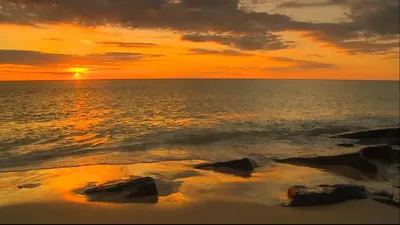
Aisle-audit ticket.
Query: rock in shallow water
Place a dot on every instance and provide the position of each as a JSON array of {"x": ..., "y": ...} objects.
[
  {"x": 388, "y": 201},
  {"x": 374, "y": 136},
  {"x": 347, "y": 145},
  {"x": 393, "y": 132},
  {"x": 126, "y": 190},
  {"x": 381, "y": 152},
  {"x": 384, "y": 194},
  {"x": 359, "y": 160},
  {"x": 354, "y": 160},
  {"x": 301, "y": 195},
  {"x": 241, "y": 167}
]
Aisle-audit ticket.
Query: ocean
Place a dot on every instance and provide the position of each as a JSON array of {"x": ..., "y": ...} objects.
[{"x": 55, "y": 124}]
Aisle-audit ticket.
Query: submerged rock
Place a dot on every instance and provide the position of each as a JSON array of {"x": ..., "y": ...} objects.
[
  {"x": 301, "y": 195},
  {"x": 374, "y": 136},
  {"x": 387, "y": 200},
  {"x": 354, "y": 160},
  {"x": 393, "y": 132},
  {"x": 384, "y": 194},
  {"x": 126, "y": 190},
  {"x": 381, "y": 152},
  {"x": 361, "y": 160},
  {"x": 389, "y": 141},
  {"x": 241, "y": 167},
  {"x": 347, "y": 145}
]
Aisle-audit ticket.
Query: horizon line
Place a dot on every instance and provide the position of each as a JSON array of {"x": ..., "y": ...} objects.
[{"x": 118, "y": 79}]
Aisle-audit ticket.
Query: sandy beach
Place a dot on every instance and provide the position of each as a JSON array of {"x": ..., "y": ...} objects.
[
  {"x": 199, "y": 111},
  {"x": 186, "y": 195}
]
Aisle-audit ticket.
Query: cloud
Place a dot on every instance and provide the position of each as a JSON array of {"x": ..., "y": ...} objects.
[
  {"x": 125, "y": 44},
  {"x": 32, "y": 58},
  {"x": 365, "y": 47},
  {"x": 183, "y": 15},
  {"x": 223, "y": 21},
  {"x": 31, "y": 72},
  {"x": 376, "y": 17},
  {"x": 36, "y": 58},
  {"x": 242, "y": 42},
  {"x": 297, "y": 64},
  {"x": 317, "y": 55},
  {"x": 228, "y": 52},
  {"x": 53, "y": 39}
]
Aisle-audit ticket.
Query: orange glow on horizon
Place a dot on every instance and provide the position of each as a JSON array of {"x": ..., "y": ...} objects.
[
  {"x": 171, "y": 57},
  {"x": 77, "y": 71}
]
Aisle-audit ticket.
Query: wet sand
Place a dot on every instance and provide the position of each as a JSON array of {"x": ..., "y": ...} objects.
[
  {"x": 186, "y": 195},
  {"x": 212, "y": 211}
]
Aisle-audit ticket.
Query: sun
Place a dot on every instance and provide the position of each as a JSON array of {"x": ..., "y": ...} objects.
[{"x": 77, "y": 71}]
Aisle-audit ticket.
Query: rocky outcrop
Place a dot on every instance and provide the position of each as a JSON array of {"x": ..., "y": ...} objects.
[
  {"x": 354, "y": 160},
  {"x": 126, "y": 191},
  {"x": 324, "y": 194},
  {"x": 361, "y": 160},
  {"x": 386, "y": 198},
  {"x": 381, "y": 152},
  {"x": 388, "y": 201},
  {"x": 375, "y": 136},
  {"x": 383, "y": 194},
  {"x": 241, "y": 167},
  {"x": 301, "y": 195},
  {"x": 347, "y": 145},
  {"x": 393, "y": 132}
]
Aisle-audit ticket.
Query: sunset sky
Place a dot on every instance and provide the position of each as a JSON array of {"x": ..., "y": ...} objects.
[{"x": 118, "y": 39}]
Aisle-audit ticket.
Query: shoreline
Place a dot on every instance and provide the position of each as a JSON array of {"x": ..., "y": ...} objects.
[{"x": 201, "y": 196}]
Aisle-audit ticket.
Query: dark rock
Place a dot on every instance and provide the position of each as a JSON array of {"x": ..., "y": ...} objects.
[
  {"x": 377, "y": 141},
  {"x": 347, "y": 145},
  {"x": 242, "y": 167},
  {"x": 137, "y": 188},
  {"x": 354, "y": 160},
  {"x": 381, "y": 152},
  {"x": 388, "y": 201},
  {"x": 28, "y": 185},
  {"x": 372, "y": 134},
  {"x": 301, "y": 195},
  {"x": 383, "y": 194},
  {"x": 244, "y": 164},
  {"x": 389, "y": 136}
]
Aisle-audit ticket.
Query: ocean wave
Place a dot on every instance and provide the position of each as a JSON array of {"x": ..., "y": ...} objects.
[
  {"x": 55, "y": 153},
  {"x": 176, "y": 139},
  {"x": 331, "y": 129},
  {"x": 208, "y": 137}
]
